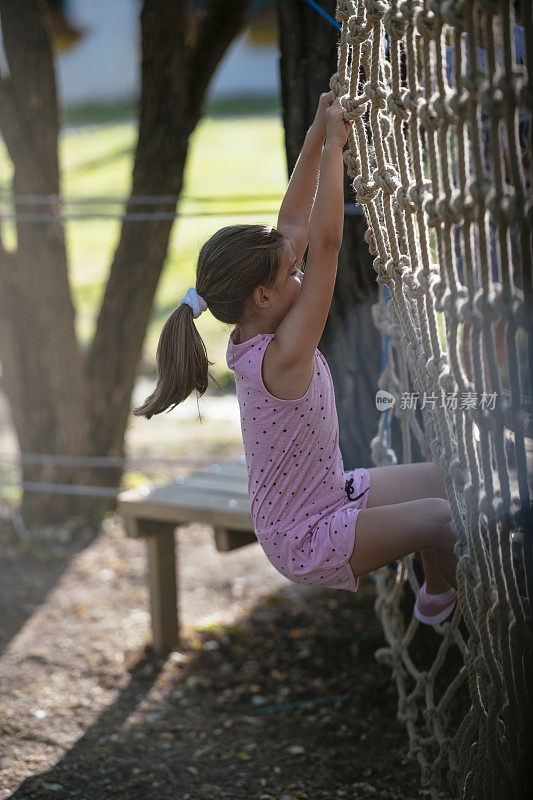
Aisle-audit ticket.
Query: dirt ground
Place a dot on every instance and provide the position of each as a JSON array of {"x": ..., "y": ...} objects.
[{"x": 273, "y": 693}]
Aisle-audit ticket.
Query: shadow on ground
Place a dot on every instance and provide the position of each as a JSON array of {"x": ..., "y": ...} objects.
[
  {"x": 289, "y": 702},
  {"x": 32, "y": 567}
]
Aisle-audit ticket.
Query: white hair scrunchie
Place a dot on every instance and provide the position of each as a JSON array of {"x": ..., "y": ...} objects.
[{"x": 193, "y": 299}]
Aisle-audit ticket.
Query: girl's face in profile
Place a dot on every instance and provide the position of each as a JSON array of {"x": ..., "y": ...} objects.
[{"x": 288, "y": 282}]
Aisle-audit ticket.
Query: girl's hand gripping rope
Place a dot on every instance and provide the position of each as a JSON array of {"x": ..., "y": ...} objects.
[
  {"x": 337, "y": 129},
  {"x": 320, "y": 120},
  {"x": 293, "y": 218},
  {"x": 290, "y": 355}
]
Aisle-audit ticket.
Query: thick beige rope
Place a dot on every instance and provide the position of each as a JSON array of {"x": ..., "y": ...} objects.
[{"x": 417, "y": 162}]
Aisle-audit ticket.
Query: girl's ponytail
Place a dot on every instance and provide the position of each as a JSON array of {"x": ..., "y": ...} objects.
[
  {"x": 182, "y": 364},
  {"x": 231, "y": 264}
]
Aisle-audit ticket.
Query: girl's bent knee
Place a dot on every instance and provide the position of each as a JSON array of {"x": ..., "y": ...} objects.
[{"x": 441, "y": 518}]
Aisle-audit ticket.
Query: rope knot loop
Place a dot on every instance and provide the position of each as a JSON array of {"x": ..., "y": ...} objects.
[
  {"x": 429, "y": 24},
  {"x": 506, "y": 306},
  {"x": 375, "y": 10},
  {"x": 430, "y": 207},
  {"x": 428, "y": 116},
  {"x": 433, "y": 369},
  {"x": 404, "y": 201},
  {"x": 397, "y": 269},
  {"x": 440, "y": 293},
  {"x": 358, "y": 30},
  {"x": 447, "y": 382},
  {"x": 384, "y": 125},
  {"x": 472, "y": 82},
  {"x": 414, "y": 288},
  {"x": 511, "y": 87},
  {"x": 338, "y": 87},
  {"x": 452, "y": 12},
  {"x": 491, "y": 100},
  {"x": 505, "y": 209},
  {"x": 418, "y": 193},
  {"x": 382, "y": 274},
  {"x": 345, "y": 10},
  {"x": 387, "y": 180},
  {"x": 458, "y": 105},
  {"x": 365, "y": 190},
  {"x": 449, "y": 305},
  {"x": 396, "y": 105},
  {"x": 441, "y": 107},
  {"x": 479, "y": 190},
  {"x": 411, "y": 99},
  {"x": 463, "y": 206},
  {"x": 370, "y": 239},
  {"x": 376, "y": 93},
  {"x": 428, "y": 280},
  {"x": 449, "y": 212},
  {"x": 352, "y": 164},
  {"x": 455, "y": 468},
  {"x": 355, "y": 107},
  {"x": 408, "y": 9},
  {"x": 394, "y": 23},
  {"x": 480, "y": 664}
]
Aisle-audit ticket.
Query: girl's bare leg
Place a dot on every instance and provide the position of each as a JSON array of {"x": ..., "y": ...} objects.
[
  {"x": 405, "y": 482},
  {"x": 387, "y": 533}
]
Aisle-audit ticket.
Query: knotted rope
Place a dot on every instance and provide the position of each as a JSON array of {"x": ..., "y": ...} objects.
[{"x": 423, "y": 81}]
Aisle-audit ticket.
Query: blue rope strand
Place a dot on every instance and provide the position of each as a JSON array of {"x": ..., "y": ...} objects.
[{"x": 325, "y": 14}]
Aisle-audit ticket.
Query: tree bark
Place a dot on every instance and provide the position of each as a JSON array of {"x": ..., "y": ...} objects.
[
  {"x": 177, "y": 66},
  {"x": 64, "y": 401},
  {"x": 42, "y": 369},
  {"x": 350, "y": 342}
]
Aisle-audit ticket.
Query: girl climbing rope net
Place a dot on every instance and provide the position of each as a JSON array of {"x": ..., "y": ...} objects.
[{"x": 317, "y": 523}]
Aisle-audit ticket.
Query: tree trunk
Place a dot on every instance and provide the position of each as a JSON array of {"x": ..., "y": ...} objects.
[
  {"x": 42, "y": 369},
  {"x": 351, "y": 343},
  {"x": 64, "y": 401}
]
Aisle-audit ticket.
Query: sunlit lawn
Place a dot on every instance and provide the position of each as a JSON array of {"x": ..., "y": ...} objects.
[{"x": 236, "y": 172}]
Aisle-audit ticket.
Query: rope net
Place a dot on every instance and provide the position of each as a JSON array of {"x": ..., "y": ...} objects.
[{"x": 439, "y": 154}]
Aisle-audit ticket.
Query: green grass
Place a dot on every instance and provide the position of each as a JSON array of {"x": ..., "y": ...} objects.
[
  {"x": 127, "y": 111},
  {"x": 235, "y": 173}
]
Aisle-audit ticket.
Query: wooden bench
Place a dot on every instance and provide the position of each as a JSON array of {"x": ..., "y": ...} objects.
[{"x": 217, "y": 497}]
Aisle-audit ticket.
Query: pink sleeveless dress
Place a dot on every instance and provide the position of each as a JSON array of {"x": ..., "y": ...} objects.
[{"x": 303, "y": 504}]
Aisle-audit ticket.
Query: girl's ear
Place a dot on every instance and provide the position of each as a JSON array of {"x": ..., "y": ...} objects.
[{"x": 261, "y": 296}]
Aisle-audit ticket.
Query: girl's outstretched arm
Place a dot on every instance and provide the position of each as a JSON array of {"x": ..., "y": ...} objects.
[
  {"x": 295, "y": 210},
  {"x": 298, "y": 334}
]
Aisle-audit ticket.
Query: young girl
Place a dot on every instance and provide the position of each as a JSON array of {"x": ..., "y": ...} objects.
[{"x": 316, "y": 523}]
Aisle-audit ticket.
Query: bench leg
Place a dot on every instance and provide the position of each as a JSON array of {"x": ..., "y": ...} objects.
[{"x": 163, "y": 585}]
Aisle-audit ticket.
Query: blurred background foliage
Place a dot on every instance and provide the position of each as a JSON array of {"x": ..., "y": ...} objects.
[{"x": 235, "y": 172}]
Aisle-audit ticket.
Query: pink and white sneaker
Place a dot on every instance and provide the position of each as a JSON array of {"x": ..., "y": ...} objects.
[{"x": 434, "y": 608}]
